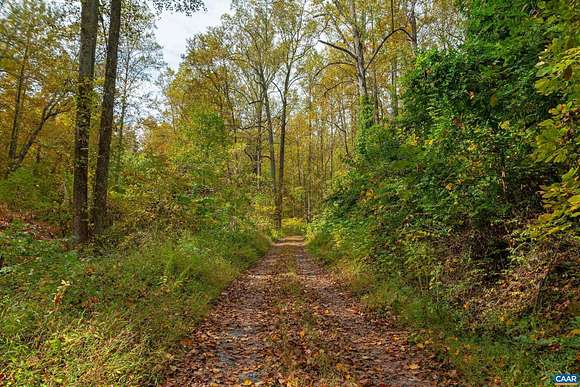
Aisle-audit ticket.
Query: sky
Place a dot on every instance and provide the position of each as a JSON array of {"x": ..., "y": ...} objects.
[{"x": 173, "y": 29}]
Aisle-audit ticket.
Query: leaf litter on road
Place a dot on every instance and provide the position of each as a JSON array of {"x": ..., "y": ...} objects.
[{"x": 288, "y": 322}]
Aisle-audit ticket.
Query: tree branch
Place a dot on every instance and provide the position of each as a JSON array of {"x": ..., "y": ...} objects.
[
  {"x": 383, "y": 42},
  {"x": 346, "y": 51},
  {"x": 331, "y": 64}
]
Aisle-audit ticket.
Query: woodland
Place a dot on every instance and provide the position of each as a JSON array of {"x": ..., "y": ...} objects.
[{"x": 414, "y": 161}]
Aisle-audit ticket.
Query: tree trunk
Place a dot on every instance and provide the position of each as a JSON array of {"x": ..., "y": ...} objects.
[
  {"x": 102, "y": 172},
  {"x": 121, "y": 127},
  {"x": 270, "y": 137},
  {"x": 358, "y": 49},
  {"x": 412, "y": 18},
  {"x": 83, "y": 120},
  {"x": 258, "y": 166},
  {"x": 343, "y": 128},
  {"x": 18, "y": 160},
  {"x": 282, "y": 151},
  {"x": 18, "y": 104},
  {"x": 309, "y": 166},
  {"x": 394, "y": 65},
  {"x": 394, "y": 92},
  {"x": 120, "y": 138}
]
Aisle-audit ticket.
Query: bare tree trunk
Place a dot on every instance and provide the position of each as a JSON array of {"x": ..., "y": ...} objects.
[
  {"x": 358, "y": 49},
  {"x": 270, "y": 137},
  {"x": 322, "y": 164},
  {"x": 120, "y": 145},
  {"x": 83, "y": 120},
  {"x": 20, "y": 92},
  {"x": 412, "y": 18},
  {"x": 102, "y": 172},
  {"x": 258, "y": 167},
  {"x": 282, "y": 151},
  {"x": 331, "y": 153},
  {"x": 394, "y": 65},
  {"x": 360, "y": 67},
  {"x": 343, "y": 128},
  {"x": 309, "y": 167},
  {"x": 121, "y": 126},
  {"x": 300, "y": 158},
  {"x": 394, "y": 92}
]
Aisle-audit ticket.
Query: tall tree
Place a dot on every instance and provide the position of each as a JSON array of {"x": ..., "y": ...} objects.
[
  {"x": 88, "y": 41},
  {"x": 106, "y": 129},
  {"x": 254, "y": 21},
  {"x": 295, "y": 30},
  {"x": 139, "y": 56},
  {"x": 102, "y": 172}
]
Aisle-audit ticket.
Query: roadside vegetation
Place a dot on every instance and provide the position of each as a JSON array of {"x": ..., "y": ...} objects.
[
  {"x": 120, "y": 317},
  {"x": 461, "y": 216}
]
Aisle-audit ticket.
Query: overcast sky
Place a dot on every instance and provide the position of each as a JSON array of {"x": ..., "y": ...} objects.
[{"x": 173, "y": 29}]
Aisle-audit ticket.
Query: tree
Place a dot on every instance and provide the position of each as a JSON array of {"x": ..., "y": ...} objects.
[
  {"x": 36, "y": 65},
  {"x": 296, "y": 31},
  {"x": 351, "y": 24},
  {"x": 102, "y": 172},
  {"x": 255, "y": 22},
  {"x": 88, "y": 41},
  {"x": 86, "y": 75},
  {"x": 139, "y": 56}
]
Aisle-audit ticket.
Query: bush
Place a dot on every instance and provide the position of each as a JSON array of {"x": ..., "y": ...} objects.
[{"x": 22, "y": 190}]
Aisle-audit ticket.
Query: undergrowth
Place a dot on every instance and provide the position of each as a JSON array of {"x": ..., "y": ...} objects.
[
  {"x": 75, "y": 318},
  {"x": 518, "y": 352}
]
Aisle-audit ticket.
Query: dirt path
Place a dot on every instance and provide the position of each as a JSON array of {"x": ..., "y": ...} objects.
[{"x": 287, "y": 322}]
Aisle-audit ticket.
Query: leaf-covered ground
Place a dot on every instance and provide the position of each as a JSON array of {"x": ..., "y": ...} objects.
[{"x": 289, "y": 322}]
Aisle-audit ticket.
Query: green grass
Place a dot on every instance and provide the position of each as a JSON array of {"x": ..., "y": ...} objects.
[
  {"x": 115, "y": 319},
  {"x": 482, "y": 357}
]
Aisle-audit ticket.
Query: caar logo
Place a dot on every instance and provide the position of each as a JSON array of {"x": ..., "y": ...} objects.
[{"x": 565, "y": 379}]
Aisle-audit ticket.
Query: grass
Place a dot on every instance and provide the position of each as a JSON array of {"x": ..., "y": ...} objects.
[
  {"x": 71, "y": 319},
  {"x": 482, "y": 357}
]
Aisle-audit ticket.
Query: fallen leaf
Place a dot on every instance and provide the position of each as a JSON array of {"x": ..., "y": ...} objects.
[
  {"x": 341, "y": 367},
  {"x": 413, "y": 366},
  {"x": 186, "y": 342}
]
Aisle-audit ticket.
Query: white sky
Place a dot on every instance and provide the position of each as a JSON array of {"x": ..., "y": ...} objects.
[{"x": 173, "y": 29}]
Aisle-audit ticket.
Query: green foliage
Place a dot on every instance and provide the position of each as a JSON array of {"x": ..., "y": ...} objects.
[
  {"x": 182, "y": 185},
  {"x": 558, "y": 141},
  {"x": 114, "y": 312},
  {"x": 293, "y": 226},
  {"x": 436, "y": 218},
  {"x": 512, "y": 359},
  {"x": 24, "y": 190},
  {"x": 115, "y": 319}
]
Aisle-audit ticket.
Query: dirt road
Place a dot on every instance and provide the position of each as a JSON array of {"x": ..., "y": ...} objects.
[{"x": 288, "y": 322}]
